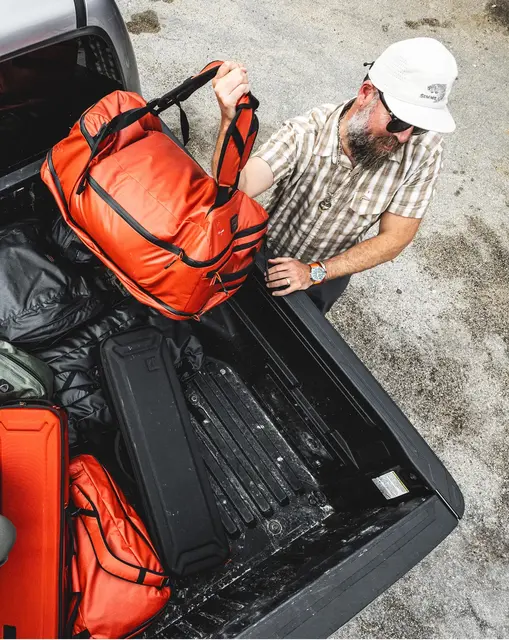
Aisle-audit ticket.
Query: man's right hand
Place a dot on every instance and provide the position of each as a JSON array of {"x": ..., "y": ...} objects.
[{"x": 230, "y": 84}]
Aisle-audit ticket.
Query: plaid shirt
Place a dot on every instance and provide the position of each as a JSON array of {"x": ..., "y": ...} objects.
[{"x": 307, "y": 165}]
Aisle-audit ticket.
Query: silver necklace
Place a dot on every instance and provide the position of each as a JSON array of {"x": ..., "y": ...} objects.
[{"x": 326, "y": 203}]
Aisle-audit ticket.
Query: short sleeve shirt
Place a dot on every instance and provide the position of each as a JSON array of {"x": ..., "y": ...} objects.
[{"x": 309, "y": 167}]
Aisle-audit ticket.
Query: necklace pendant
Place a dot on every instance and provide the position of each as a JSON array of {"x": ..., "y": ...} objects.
[{"x": 325, "y": 204}]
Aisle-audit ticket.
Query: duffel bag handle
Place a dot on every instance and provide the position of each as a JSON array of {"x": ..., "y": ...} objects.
[
  {"x": 240, "y": 135},
  {"x": 238, "y": 142},
  {"x": 187, "y": 88},
  {"x": 156, "y": 106}
]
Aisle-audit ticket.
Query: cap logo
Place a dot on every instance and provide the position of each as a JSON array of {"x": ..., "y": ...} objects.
[{"x": 436, "y": 92}]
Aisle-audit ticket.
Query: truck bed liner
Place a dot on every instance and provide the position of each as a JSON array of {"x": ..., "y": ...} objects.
[{"x": 266, "y": 495}]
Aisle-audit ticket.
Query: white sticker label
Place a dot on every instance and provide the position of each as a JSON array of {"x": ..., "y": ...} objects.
[{"x": 390, "y": 485}]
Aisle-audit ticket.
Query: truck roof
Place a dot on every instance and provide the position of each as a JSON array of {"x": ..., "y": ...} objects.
[{"x": 24, "y": 24}]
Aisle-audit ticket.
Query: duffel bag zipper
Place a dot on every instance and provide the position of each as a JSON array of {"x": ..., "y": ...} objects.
[
  {"x": 167, "y": 246},
  {"x": 94, "y": 513},
  {"x": 240, "y": 247},
  {"x": 31, "y": 373}
]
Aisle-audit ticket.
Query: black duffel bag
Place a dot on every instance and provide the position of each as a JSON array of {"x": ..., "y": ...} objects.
[
  {"x": 42, "y": 298},
  {"x": 76, "y": 364}
]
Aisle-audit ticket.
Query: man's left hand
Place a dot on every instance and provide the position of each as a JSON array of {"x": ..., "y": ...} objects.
[{"x": 289, "y": 273}]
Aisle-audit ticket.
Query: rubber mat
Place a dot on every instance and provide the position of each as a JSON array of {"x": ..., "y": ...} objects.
[{"x": 254, "y": 472}]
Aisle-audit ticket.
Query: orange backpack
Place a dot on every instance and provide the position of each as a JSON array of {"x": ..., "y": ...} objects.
[
  {"x": 178, "y": 240},
  {"x": 118, "y": 584}
]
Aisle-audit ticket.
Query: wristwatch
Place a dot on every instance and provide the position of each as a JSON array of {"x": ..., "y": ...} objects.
[{"x": 318, "y": 272}]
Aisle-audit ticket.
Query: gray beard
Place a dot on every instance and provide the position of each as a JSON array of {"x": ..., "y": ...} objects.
[{"x": 365, "y": 148}]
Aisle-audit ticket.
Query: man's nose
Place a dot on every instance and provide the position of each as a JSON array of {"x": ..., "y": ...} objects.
[{"x": 402, "y": 136}]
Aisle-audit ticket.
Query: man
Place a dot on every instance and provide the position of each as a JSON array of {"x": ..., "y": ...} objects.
[{"x": 340, "y": 169}]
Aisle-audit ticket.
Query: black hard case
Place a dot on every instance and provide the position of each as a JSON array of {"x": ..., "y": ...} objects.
[{"x": 149, "y": 404}]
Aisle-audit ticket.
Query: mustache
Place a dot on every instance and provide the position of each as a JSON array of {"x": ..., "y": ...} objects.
[{"x": 367, "y": 149}]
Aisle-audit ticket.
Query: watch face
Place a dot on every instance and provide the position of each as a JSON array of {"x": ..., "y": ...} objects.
[{"x": 318, "y": 274}]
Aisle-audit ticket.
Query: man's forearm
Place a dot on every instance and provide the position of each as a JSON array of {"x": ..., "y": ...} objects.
[
  {"x": 368, "y": 253},
  {"x": 223, "y": 128}
]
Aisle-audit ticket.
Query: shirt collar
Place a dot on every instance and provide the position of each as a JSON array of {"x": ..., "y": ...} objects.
[
  {"x": 328, "y": 144},
  {"x": 328, "y": 141}
]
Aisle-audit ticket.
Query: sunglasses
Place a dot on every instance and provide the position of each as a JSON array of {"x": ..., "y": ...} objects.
[{"x": 396, "y": 125}]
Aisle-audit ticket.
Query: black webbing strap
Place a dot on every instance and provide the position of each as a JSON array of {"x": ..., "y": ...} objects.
[
  {"x": 9, "y": 631},
  {"x": 188, "y": 87},
  {"x": 222, "y": 197},
  {"x": 116, "y": 124},
  {"x": 127, "y": 118},
  {"x": 175, "y": 96},
  {"x": 184, "y": 124},
  {"x": 237, "y": 139},
  {"x": 69, "y": 380}
]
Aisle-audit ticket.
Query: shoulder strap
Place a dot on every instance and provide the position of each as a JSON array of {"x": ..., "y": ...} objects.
[
  {"x": 238, "y": 141},
  {"x": 156, "y": 106}
]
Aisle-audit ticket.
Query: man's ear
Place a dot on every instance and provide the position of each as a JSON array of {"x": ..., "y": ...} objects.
[{"x": 365, "y": 94}]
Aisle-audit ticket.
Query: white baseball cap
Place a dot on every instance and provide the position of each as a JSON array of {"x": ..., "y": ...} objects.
[{"x": 416, "y": 78}]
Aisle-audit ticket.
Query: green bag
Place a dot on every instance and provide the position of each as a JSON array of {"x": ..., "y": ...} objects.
[{"x": 22, "y": 376}]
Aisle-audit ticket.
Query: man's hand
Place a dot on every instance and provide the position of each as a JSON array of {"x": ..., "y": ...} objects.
[
  {"x": 230, "y": 84},
  {"x": 289, "y": 273}
]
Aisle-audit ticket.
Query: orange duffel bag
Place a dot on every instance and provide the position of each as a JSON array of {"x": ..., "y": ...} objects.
[
  {"x": 118, "y": 584},
  {"x": 178, "y": 240}
]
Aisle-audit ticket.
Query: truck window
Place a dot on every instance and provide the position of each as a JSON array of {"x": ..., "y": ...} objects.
[{"x": 43, "y": 93}]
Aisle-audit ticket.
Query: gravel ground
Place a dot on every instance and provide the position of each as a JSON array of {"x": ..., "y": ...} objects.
[{"x": 432, "y": 325}]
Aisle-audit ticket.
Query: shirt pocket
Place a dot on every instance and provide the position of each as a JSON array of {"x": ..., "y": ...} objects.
[
  {"x": 364, "y": 211},
  {"x": 364, "y": 203}
]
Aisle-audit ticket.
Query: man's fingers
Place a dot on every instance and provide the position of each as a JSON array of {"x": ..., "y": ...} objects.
[
  {"x": 233, "y": 80},
  {"x": 279, "y": 282},
  {"x": 284, "y": 292},
  {"x": 230, "y": 73},
  {"x": 280, "y": 260},
  {"x": 239, "y": 92},
  {"x": 223, "y": 70},
  {"x": 279, "y": 272},
  {"x": 226, "y": 67}
]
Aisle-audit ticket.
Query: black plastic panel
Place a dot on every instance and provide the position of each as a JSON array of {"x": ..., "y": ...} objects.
[{"x": 150, "y": 407}]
